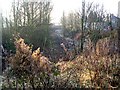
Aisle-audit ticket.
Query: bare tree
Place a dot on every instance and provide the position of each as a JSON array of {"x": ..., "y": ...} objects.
[{"x": 29, "y": 18}]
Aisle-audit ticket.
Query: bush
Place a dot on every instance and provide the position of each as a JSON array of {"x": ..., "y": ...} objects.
[
  {"x": 30, "y": 69},
  {"x": 27, "y": 67}
]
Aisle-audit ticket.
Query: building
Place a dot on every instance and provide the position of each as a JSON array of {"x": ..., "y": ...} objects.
[
  {"x": 119, "y": 9},
  {"x": 114, "y": 21}
]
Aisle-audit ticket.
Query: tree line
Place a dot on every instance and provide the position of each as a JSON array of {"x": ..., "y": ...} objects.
[
  {"x": 29, "y": 19},
  {"x": 91, "y": 22}
]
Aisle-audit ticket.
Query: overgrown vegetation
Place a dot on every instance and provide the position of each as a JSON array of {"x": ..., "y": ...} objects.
[
  {"x": 91, "y": 60},
  {"x": 30, "y": 69}
]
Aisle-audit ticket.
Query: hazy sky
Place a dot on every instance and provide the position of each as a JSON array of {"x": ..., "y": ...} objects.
[{"x": 111, "y": 6}]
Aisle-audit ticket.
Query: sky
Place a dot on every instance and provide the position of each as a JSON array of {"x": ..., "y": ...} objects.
[{"x": 111, "y": 6}]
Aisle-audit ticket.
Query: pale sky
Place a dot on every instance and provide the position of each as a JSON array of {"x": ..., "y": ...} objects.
[{"x": 111, "y": 6}]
